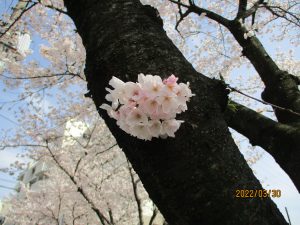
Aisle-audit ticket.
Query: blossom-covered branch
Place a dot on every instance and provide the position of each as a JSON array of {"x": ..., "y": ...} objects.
[{"x": 281, "y": 87}]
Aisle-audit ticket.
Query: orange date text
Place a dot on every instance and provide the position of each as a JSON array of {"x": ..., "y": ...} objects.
[{"x": 258, "y": 193}]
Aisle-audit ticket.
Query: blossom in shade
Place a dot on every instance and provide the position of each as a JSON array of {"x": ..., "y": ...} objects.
[
  {"x": 171, "y": 126},
  {"x": 155, "y": 128}
]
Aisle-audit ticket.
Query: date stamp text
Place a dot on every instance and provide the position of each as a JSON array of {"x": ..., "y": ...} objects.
[{"x": 259, "y": 193}]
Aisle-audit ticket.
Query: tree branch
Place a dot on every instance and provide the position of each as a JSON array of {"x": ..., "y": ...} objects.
[
  {"x": 246, "y": 13},
  {"x": 154, "y": 214},
  {"x": 284, "y": 14},
  {"x": 182, "y": 16},
  {"x": 198, "y": 10},
  {"x": 100, "y": 215},
  {"x": 242, "y": 7},
  {"x": 17, "y": 18},
  {"x": 280, "y": 140},
  {"x": 66, "y": 73},
  {"x": 136, "y": 196},
  {"x": 281, "y": 88},
  {"x": 264, "y": 102},
  {"x": 54, "y": 8},
  {"x": 111, "y": 217}
]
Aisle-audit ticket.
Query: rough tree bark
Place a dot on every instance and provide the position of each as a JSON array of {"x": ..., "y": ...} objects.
[
  {"x": 278, "y": 139},
  {"x": 193, "y": 177}
]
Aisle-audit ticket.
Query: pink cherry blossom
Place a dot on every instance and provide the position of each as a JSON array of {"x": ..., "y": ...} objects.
[
  {"x": 141, "y": 131},
  {"x": 155, "y": 128},
  {"x": 136, "y": 116},
  {"x": 171, "y": 126},
  {"x": 148, "y": 108},
  {"x": 171, "y": 80}
]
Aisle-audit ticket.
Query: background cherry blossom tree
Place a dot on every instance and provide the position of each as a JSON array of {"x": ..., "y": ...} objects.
[{"x": 87, "y": 180}]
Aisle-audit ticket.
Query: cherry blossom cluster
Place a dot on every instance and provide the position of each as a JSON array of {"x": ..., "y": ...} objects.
[{"x": 147, "y": 108}]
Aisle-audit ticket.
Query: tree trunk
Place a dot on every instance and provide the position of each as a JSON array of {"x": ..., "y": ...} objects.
[{"x": 191, "y": 178}]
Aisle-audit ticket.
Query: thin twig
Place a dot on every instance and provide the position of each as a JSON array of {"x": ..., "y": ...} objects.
[
  {"x": 17, "y": 19},
  {"x": 264, "y": 102},
  {"x": 135, "y": 192}
]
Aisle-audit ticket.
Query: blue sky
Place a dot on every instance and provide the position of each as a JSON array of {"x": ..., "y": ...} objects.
[{"x": 266, "y": 169}]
